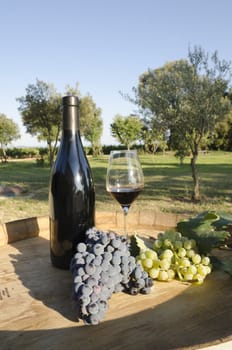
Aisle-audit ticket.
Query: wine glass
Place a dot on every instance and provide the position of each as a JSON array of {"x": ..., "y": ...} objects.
[{"x": 124, "y": 178}]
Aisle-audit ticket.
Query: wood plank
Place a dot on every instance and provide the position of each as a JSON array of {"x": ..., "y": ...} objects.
[
  {"x": 139, "y": 221},
  {"x": 36, "y": 310}
]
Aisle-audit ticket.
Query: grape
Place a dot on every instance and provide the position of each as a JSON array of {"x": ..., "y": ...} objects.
[
  {"x": 77, "y": 279},
  {"x": 112, "y": 235},
  {"x": 166, "y": 254},
  {"x": 205, "y": 260},
  {"x": 196, "y": 259},
  {"x": 192, "y": 270},
  {"x": 86, "y": 289},
  {"x": 207, "y": 269},
  {"x": 137, "y": 273},
  {"x": 105, "y": 265},
  {"x": 147, "y": 263},
  {"x": 151, "y": 254},
  {"x": 140, "y": 283},
  {"x": 164, "y": 264},
  {"x": 156, "y": 264},
  {"x": 167, "y": 243},
  {"x": 187, "y": 276},
  {"x": 185, "y": 262},
  {"x": 93, "y": 308},
  {"x": 110, "y": 248},
  {"x": 116, "y": 243},
  {"x": 199, "y": 278},
  {"x": 153, "y": 273},
  {"x": 89, "y": 258},
  {"x": 81, "y": 247},
  {"x": 98, "y": 249},
  {"x": 116, "y": 260},
  {"x": 201, "y": 269},
  {"x": 85, "y": 299},
  {"x": 190, "y": 253},
  {"x": 171, "y": 274},
  {"x": 90, "y": 269},
  {"x": 134, "y": 290},
  {"x": 102, "y": 266},
  {"x": 97, "y": 289},
  {"x": 157, "y": 244},
  {"x": 146, "y": 290},
  {"x": 163, "y": 275},
  {"x": 98, "y": 260},
  {"x": 80, "y": 261},
  {"x": 175, "y": 256},
  {"x": 80, "y": 271},
  {"x": 91, "y": 281},
  {"x": 77, "y": 256},
  {"x": 178, "y": 245},
  {"x": 181, "y": 252},
  {"x": 188, "y": 244},
  {"x": 107, "y": 256},
  {"x": 104, "y": 239},
  {"x": 77, "y": 287},
  {"x": 92, "y": 320}
]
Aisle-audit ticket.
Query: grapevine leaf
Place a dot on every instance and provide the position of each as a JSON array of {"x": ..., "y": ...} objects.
[
  {"x": 137, "y": 244},
  {"x": 206, "y": 230}
]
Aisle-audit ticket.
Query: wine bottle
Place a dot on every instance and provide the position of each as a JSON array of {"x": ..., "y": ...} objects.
[{"x": 71, "y": 191}]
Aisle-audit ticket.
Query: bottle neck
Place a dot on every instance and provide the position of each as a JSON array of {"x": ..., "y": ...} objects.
[{"x": 71, "y": 118}]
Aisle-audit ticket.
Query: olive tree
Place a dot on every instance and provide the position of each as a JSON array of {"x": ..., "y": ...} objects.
[
  {"x": 9, "y": 131},
  {"x": 187, "y": 97},
  {"x": 126, "y": 130},
  {"x": 41, "y": 114}
]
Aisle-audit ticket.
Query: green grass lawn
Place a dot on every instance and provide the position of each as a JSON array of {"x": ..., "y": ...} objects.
[{"x": 168, "y": 186}]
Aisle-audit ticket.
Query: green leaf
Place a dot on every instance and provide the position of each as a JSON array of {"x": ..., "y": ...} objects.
[
  {"x": 208, "y": 229},
  {"x": 137, "y": 245}
]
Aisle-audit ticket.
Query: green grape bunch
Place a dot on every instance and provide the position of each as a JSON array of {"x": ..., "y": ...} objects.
[{"x": 174, "y": 256}]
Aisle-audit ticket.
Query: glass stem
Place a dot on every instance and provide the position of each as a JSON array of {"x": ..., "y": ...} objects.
[{"x": 125, "y": 212}]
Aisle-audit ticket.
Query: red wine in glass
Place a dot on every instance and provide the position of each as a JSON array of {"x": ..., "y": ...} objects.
[{"x": 125, "y": 196}]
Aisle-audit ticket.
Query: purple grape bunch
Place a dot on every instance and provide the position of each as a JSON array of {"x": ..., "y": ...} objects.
[{"x": 101, "y": 266}]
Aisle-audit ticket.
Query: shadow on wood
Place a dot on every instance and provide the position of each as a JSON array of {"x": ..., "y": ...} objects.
[{"x": 37, "y": 311}]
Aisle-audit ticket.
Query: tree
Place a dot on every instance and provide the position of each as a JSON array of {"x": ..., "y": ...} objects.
[
  {"x": 153, "y": 136},
  {"x": 180, "y": 146},
  {"x": 187, "y": 96},
  {"x": 91, "y": 124},
  {"x": 221, "y": 138},
  {"x": 41, "y": 115},
  {"x": 9, "y": 131},
  {"x": 126, "y": 130}
]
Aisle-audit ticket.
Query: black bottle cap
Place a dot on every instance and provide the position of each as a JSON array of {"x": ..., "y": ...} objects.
[{"x": 70, "y": 101}]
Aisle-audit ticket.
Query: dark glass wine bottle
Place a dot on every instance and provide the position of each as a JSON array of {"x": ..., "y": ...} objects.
[{"x": 71, "y": 193}]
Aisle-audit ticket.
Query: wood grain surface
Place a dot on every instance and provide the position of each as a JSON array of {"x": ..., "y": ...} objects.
[{"x": 36, "y": 309}]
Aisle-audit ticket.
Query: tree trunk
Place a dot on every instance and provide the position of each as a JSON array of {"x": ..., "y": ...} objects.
[
  {"x": 196, "y": 191},
  {"x": 4, "y": 155},
  {"x": 50, "y": 153}
]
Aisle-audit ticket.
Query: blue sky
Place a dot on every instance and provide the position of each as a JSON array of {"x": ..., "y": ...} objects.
[{"x": 104, "y": 45}]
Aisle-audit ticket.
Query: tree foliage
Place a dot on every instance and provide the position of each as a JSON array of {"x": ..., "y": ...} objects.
[
  {"x": 9, "y": 131},
  {"x": 221, "y": 138},
  {"x": 41, "y": 115},
  {"x": 187, "y": 97},
  {"x": 91, "y": 124},
  {"x": 127, "y": 130}
]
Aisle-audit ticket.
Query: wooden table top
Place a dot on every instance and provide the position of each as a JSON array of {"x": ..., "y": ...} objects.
[{"x": 36, "y": 310}]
